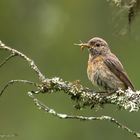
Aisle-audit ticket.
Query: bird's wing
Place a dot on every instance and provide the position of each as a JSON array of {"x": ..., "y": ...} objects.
[{"x": 116, "y": 67}]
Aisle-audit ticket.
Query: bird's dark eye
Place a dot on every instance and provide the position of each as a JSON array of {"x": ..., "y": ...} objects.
[{"x": 97, "y": 44}]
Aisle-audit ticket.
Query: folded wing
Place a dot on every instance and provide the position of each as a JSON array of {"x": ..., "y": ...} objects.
[{"x": 115, "y": 66}]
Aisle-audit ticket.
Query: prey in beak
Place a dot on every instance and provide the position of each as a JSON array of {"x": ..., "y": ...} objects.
[{"x": 83, "y": 45}]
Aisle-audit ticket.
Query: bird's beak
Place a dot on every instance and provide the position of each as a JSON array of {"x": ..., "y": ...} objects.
[{"x": 83, "y": 45}]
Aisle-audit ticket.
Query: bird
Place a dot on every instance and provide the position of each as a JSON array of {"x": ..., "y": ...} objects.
[{"x": 104, "y": 69}]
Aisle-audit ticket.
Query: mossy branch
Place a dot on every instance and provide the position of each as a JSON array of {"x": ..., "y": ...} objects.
[{"x": 128, "y": 100}]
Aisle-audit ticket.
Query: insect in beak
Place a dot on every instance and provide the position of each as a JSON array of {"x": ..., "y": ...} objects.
[{"x": 83, "y": 45}]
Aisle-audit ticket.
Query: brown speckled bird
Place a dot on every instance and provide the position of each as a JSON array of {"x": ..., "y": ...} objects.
[{"x": 104, "y": 68}]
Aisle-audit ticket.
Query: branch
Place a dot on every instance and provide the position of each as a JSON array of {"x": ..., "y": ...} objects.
[
  {"x": 31, "y": 62},
  {"x": 128, "y": 100},
  {"x": 7, "y": 59},
  {"x": 11, "y": 82},
  {"x": 45, "y": 108}
]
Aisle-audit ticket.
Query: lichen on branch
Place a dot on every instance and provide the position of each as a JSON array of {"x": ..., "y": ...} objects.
[{"x": 128, "y": 100}]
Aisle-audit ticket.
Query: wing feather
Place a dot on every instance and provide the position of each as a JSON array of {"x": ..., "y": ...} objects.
[{"x": 115, "y": 66}]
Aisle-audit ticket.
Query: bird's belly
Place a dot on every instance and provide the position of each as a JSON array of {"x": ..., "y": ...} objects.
[{"x": 102, "y": 77}]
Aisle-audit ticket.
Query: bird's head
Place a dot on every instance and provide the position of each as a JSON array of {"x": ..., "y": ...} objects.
[{"x": 96, "y": 46}]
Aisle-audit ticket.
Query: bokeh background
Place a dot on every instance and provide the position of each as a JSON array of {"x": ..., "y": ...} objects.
[{"x": 45, "y": 30}]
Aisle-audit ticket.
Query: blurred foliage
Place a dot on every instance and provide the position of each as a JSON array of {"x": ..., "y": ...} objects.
[
  {"x": 46, "y": 30},
  {"x": 131, "y": 6}
]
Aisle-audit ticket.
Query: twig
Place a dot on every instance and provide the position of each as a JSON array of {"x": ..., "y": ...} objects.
[
  {"x": 7, "y": 59},
  {"x": 7, "y": 135},
  {"x": 31, "y": 62},
  {"x": 17, "y": 81},
  {"x": 45, "y": 108}
]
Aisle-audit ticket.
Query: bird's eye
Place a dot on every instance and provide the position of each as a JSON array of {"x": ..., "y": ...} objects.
[{"x": 97, "y": 44}]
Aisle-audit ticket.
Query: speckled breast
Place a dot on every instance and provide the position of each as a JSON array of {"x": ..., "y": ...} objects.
[{"x": 99, "y": 74}]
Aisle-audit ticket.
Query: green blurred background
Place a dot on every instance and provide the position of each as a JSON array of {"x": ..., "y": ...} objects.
[{"x": 45, "y": 30}]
